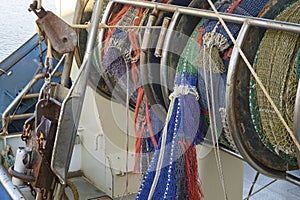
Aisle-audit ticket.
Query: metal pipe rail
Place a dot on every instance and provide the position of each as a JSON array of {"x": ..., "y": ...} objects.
[
  {"x": 23, "y": 94},
  {"x": 5, "y": 115},
  {"x": 233, "y": 18}
]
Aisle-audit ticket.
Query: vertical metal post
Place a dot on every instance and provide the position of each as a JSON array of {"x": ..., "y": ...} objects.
[
  {"x": 297, "y": 114},
  {"x": 67, "y": 69},
  {"x": 71, "y": 109}
]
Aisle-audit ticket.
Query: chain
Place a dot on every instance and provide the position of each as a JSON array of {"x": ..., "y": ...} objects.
[
  {"x": 48, "y": 66},
  {"x": 41, "y": 51}
]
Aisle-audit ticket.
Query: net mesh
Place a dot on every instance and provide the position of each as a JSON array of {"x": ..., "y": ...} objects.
[
  {"x": 298, "y": 65},
  {"x": 275, "y": 65}
]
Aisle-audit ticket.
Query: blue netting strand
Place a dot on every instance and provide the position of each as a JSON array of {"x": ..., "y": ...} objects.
[
  {"x": 166, "y": 186},
  {"x": 246, "y": 7}
]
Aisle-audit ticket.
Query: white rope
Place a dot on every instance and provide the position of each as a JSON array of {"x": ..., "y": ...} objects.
[
  {"x": 255, "y": 76},
  {"x": 213, "y": 124},
  {"x": 127, "y": 135},
  {"x": 162, "y": 149},
  {"x": 178, "y": 91},
  {"x": 219, "y": 164}
]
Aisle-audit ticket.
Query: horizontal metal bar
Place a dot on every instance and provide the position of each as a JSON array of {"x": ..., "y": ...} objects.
[
  {"x": 209, "y": 143},
  {"x": 11, "y": 135},
  {"x": 233, "y": 18},
  {"x": 17, "y": 100},
  {"x": 21, "y": 116},
  {"x": 30, "y": 96},
  {"x": 293, "y": 179}
]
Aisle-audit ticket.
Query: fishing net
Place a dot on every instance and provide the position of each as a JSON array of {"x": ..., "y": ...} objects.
[
  {"x": 172, "y": 173},
  {"x": 275, "y": 64},
  {"x": 215, "y": 56},
  {"x": 298, "y": 65},
  {"x": 177, "y": 176}
]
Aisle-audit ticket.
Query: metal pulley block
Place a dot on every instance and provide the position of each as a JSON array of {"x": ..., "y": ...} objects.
[{"x": 62, "y": 37}]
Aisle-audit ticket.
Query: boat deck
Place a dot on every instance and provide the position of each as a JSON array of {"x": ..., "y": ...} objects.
[{"x": 279, "y": 190}]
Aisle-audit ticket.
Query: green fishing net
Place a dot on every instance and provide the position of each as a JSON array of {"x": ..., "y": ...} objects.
[
  {"x": 275, "y": 64},
  {"x": 298, "y": 65}
]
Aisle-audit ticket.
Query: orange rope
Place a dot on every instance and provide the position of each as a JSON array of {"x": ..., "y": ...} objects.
[
  {"x": 200, "y": 37},
  {"x": 234, "y": 6},
  {"x": 149, "y": 125},
  {"x": 113, "y": 22},
  {"x": 138, "y": 104},
  {"x": 138, "y": 133}
]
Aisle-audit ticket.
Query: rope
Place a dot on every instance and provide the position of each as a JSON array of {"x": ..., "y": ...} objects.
[
  {"x": 149, "y": 125},
  {"x": 214, "y": 129},
  {"x": 163, "y": 145},
  {"x": 73, "y": 189},
  {"x": 135, "y": 48},
  {"x": 178, "y": 91},
  {"x": 138, "y": 133},
  {"x": 253, "y": 184},
  {"x": 127, "y": 127},
  {"x": 215, "y": 42},
  {"x": 114, "y": 21},
  {"x": 255, "y": 76}
]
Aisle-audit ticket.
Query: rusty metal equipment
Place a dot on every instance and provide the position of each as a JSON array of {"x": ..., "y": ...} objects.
[
  {"x": 39, "y": 135},
  {"x": 62, "y": 37}
]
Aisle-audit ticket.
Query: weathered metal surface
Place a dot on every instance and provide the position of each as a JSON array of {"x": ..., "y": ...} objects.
[
  {"x": 62, "y": 37},
  {"x": 40, "y": 140},
  {"x": 47, "y": 114}
]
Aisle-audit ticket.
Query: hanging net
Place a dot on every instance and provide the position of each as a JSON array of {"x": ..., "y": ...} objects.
[{"x": 275, "y": 64}]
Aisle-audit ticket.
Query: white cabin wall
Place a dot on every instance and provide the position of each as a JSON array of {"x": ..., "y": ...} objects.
[
  {"x": 102, "y": 132},
  {"x": 66, "y": 9},
  {"x": 233, "y": 171}
]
